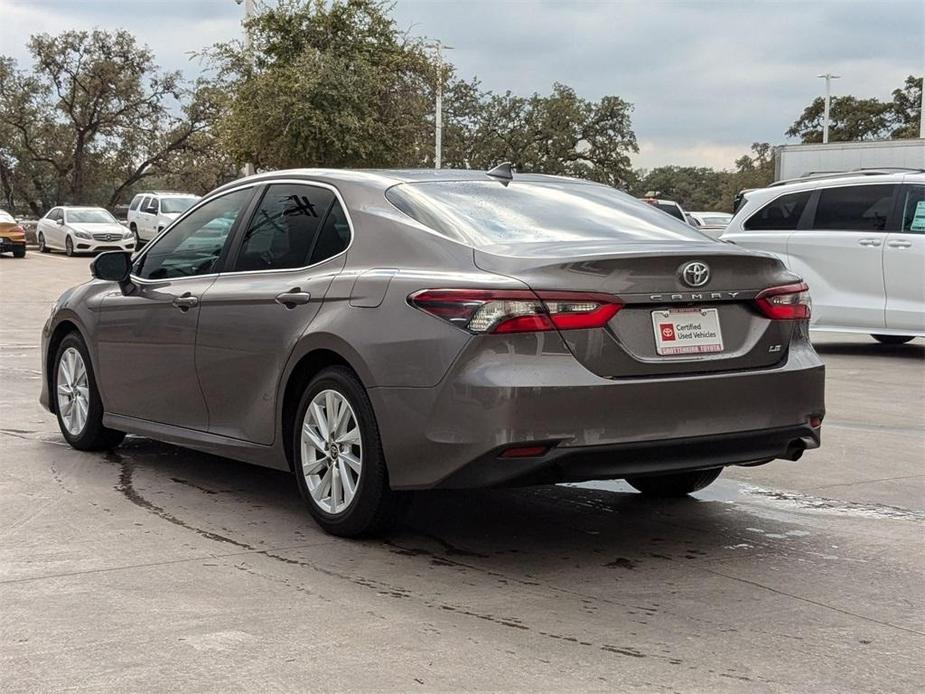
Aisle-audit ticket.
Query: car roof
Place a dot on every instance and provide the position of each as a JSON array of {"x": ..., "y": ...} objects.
[
  {"x": 833, "y": 181},
  {"x": 386, "y": 178}
]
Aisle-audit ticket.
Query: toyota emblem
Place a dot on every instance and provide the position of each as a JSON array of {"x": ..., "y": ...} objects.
[{"x": 695, "y": 274}]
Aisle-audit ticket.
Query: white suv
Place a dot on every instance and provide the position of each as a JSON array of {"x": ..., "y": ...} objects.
[
  {"x": 150, "y": 213},
  {"x": 858, "y": 239}
]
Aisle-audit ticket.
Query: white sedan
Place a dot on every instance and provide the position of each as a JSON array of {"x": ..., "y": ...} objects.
[{"x": 82, "y": 230}]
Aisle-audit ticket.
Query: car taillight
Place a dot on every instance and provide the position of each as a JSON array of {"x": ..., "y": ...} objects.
[
  {"x": 790, "y": 302},
  {"x": 517, "y": 311}
]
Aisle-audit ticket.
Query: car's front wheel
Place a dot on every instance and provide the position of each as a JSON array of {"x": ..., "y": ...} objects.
[
  {"x": 43, "y": 248},
  {"x": 338, "y": 457},
  {"x": 893, "y": 339},
  {"x": 77, "y": 400},
  {"x": 69, "y": 246},
  {"x": 674, "y": 484}
]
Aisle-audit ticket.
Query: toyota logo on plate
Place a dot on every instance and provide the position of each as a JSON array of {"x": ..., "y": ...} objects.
[{"x": 695, "y": 274}]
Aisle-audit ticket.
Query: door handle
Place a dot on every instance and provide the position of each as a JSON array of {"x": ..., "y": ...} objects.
[
  {"x": 185, "y": 302},
  {"x": 870, "y": 243},
  {"x": 899, "y": 244},
  {"x": 294, "y": 297}
]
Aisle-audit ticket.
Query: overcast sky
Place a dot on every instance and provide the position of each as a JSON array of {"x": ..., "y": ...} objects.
[{"x": 707, "y": 78}]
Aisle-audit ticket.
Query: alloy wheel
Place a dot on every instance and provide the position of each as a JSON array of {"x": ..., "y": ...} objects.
[
  {"x": 69, "y": 246},
  {"x": 42, "y": 247},
  {"x": 332, "y": 451},
  {"x": 73, "y": 391}
]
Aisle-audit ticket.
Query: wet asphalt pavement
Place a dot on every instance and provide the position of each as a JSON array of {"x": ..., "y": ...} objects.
[{"x": 154, "y": 568}]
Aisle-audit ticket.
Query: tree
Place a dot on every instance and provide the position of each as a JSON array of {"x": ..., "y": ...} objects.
[
  {"x": 94, "y": 117},
  {"x": 853, "y": 119},
  {"x": 694, "y": 188},
  {"x": 326, "y": 84},
  {"x": 907, "y": 108},
  {"x": 559, "y": 134}
]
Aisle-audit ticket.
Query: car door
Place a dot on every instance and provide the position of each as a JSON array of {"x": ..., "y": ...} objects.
[
  {"x": 146, "y": 337},
  {"x": 840, "y": 252},
  {"x": 254, "y": 313},
  {"x": 149, "y": 218},
  {"x": 904, "y": 263}
]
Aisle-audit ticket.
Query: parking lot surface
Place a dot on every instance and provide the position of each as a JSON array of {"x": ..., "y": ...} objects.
[{"x": 156, "y": 568}]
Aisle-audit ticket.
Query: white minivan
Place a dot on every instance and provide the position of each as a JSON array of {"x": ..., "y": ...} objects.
[
  {"x": 857, "y": 239},
  {"x": 150, "y": 213}
]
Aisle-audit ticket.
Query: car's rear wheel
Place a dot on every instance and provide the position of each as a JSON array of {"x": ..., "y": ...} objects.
[
  {"x": 338, "y": 457},
  {"x": 77, "y": 400},
  {"x": 42, "y": 247},
  {"x": 675, "y": 484},
  {"x": 69, "y": 246},
  {"x": 893, "y": 339},
  {"x": 19, "y": 251}
]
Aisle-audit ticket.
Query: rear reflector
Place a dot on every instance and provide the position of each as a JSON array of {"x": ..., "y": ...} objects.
[
  {"x": 525, "y": 452},
  {"x": 789, "y": 302},
  {"x": 517, "y": 311}
]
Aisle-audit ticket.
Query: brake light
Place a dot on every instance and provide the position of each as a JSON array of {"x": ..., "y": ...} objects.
[
  {"x": 789, "y": 302},
  {"x": 517, "y": 311}
]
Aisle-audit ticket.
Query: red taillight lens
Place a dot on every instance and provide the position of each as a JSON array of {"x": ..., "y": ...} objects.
[
  {"x": 516, "y": 311},
  {"x": 790, "y": 302}
]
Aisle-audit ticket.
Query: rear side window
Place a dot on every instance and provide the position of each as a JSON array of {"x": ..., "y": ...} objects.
[
  {"x": 781, "y": 214},
  {"x": 854, "y": 208},
  {"x": 334, "y": 236},
  {"x": 284, "y": 230},
  {"x": 135, "y": 202},
  {"x": 912, "y": 199}
]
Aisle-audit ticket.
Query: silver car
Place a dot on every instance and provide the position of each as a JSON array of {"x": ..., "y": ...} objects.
[{"x": 383, "y": 331}]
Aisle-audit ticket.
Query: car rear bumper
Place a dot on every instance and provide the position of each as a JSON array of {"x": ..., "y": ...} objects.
[
  {"x": 453, "y": 435},
  {"x": 7, "y": 244}
]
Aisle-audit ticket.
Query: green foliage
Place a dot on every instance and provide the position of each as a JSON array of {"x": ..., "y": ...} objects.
[
  {"x": 328, "y": 85},
  {"x": 700, "y": 188},
  {"x": 339, "y": 85},
  {"x": 853, "y": 119}
]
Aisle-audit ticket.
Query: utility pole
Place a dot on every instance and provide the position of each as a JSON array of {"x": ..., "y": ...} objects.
[
  {"x": 922, "y": 112},
  {"x": 438, "y": 110},
  {"x": 249, "y": 8},
  {"x": 828, "y": 77}
]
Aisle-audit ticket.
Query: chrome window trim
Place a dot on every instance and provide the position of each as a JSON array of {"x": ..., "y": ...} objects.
[{"x": 251, "y": 184}]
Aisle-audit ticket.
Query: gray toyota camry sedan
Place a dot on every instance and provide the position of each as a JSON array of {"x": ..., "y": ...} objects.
[{"x": 382, "y": 331}]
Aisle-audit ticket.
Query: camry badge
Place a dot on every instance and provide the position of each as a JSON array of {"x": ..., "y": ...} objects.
[{"x": 695, "y": 274}]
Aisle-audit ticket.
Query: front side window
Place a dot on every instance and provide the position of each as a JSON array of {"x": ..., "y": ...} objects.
[
  {"x": 781, "y": 214},
  {"x": 284, "y": 230},
  {"x": 485, "y": 213},
  {"x": 193, "y": 246},
  {"x": 913, "y": 207},
  {"x": 90, "y": 217},
  {"x": 854, "y": 208}
]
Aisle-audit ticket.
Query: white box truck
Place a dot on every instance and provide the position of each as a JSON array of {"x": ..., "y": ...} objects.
[{"x": 794, "y": 161}]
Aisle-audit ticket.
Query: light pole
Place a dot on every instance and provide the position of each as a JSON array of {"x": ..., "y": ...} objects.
[
  {"x": 828, "y": 77},
  {"x": 249, "y": 7},
  {"x": 438, "y": 109}
]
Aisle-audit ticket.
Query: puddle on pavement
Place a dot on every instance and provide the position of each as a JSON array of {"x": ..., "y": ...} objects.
[{"x": 730, "y": 491}]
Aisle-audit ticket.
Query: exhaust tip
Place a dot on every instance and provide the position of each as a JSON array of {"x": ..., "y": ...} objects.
[{"x": 795, "y": 450}]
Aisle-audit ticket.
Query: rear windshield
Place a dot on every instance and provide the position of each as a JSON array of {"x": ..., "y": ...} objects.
[{"x": 486, "y": 213}]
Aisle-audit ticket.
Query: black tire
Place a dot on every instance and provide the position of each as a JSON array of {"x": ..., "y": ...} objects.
[
  {"x": 19, "y": 251},
  {"x": 69, "y": 247},
  {"x": 42, "y": 247},
  {"x": 675, "y": 484},
  {"x": 94, "y": 436},
  {"x": 893, "y": 339},
  {"x": 375, "y": 507}
]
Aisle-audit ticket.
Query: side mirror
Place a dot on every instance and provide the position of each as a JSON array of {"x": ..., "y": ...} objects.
[{"x": 112, "y": 266}]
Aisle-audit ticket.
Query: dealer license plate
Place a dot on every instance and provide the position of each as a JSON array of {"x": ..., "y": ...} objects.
[{"x": 687, "y": 331}]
